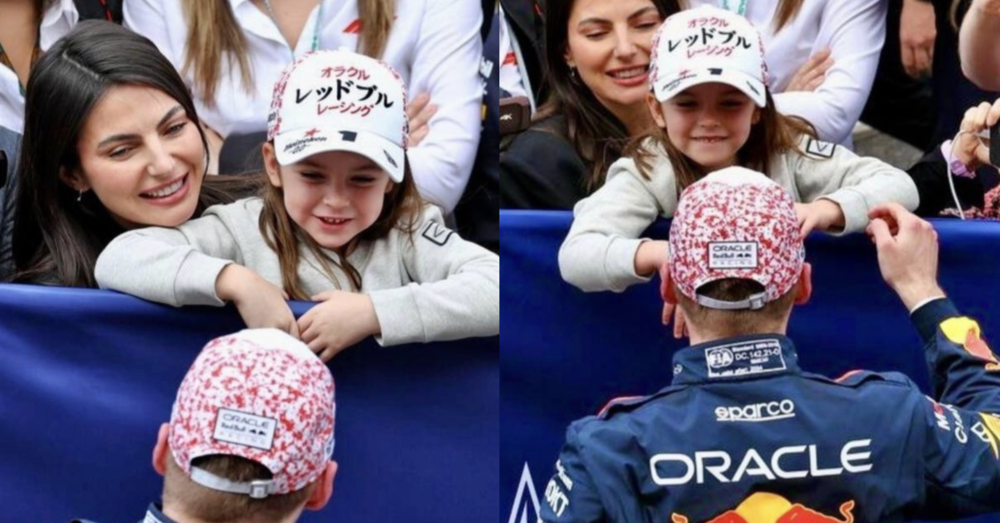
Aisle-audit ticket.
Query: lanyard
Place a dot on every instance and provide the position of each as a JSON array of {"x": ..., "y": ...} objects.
[
  {"x": 315, "y": 37},
  {"x": 741, "y": 10}
]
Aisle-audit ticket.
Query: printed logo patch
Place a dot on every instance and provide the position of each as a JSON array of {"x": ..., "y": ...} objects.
[
  {"x": 437, "y": 234},
  {"x": 821, "y": 149},
  {"x": 732, "y": 255},
  {"x": 246, "y": 429},
  {"x": 745, "y": 359},
  {"x": 765, "y": 411}
]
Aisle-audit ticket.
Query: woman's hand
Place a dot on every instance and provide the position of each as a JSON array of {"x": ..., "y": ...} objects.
[
  {"x": 419, "y": 111},
  {"x": 970, "y": 149},
  {"x": 261, "y": 303},
  {"x": 341, "y": 320},
  {"x": 822, "y": 214},
  {"x": 811, "y": 75}
]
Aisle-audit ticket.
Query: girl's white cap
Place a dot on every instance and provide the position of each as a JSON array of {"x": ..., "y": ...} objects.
[
  {"x": 340, "y": 101},
  {"x": 708, "y": 44}
]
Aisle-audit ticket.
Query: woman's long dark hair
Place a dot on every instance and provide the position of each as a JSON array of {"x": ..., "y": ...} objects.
[
  {"x": 55, "y": 238},
  {"x": 598, "y": 136}
]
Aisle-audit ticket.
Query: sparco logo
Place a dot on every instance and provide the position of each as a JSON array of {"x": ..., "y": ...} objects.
[{"x": 766, "y": 411}]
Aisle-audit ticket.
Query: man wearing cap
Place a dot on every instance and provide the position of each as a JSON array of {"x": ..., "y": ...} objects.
[
  {"x": 743, "y": 435},
  {"x": 250, "y": 436}
]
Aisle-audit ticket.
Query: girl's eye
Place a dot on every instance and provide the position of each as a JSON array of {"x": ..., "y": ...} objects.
[
  {"x": 647, "y": 25},
  {"x": 363, "y": 180},
  {"x": 595, "y": 35},
  {"x": 312, "y": 176},
  {"x": 685, "y": 104},
  {"x": 732, "y": 104},
  {"x": 176, "y": 128}
]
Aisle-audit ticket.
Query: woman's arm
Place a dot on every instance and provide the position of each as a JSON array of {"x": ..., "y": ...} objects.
[
  {"x": 978, "y": 46},
  {"x": 446, "y": 65},
  {"x": 854, "y": 31}
]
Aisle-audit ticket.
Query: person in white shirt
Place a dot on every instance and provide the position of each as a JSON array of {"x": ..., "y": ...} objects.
[
  {"x": 231, "y": 51},
  {"x": 795, "y": 30},
  {"x": 27, "y": 29}
]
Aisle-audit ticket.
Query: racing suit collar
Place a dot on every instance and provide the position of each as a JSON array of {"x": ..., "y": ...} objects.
[
  {"x": 154, "y": 514},
  {"x": 737, "y": 358}
]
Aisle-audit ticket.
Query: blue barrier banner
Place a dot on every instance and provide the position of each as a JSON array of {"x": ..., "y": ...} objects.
[
  {"x": 565, "y": 353},
  {"x": 87, "y": 377}
]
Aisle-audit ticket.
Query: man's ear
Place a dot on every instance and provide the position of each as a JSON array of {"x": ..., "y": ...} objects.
[
  {"x": 271, "y": 165},
  {"x": 74, "y": 178},
  {"x": 805, "y": 287},
  {"x": 656, "y": 110},
  {"x": 321, "y": 493},
  {"x": 161, "y": 452}
]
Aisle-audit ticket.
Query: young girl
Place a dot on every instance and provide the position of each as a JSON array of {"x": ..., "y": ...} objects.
[
  {"x": 339, "y": 221},
  {"x": 712, "y": 110}
]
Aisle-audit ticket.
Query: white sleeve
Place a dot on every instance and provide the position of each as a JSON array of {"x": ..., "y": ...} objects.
[
  {"x": 599, "y": 251},
  {"x": 149, "y": 18},
  {"x": 455, "y": 289},
  {"x": 176, "y": 266},
  {"x": 854, "y": 30},
  {"x": 446, "y": 66}
]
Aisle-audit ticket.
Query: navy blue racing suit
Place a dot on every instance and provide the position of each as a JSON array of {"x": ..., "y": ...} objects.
[{"x": 743, "y": 435}]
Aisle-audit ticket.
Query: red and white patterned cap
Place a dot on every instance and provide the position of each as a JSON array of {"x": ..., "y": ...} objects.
[
  {"x": 340, "y": 101},
  {"x": 735, "y": 223},
  {"x": 262, "y": 395},
  {"x": 707, "y": 44}
]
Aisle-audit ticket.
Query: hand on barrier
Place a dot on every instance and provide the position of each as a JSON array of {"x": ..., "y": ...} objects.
[
  {"x": 812, "y": 73},
  {"x": 907, "y": 252},
  {"x": 969, "y": 148},
  {"x": 261, "y": 303},
  {"x": 341, "y": 320},
  {"x": 420, "y": 111},
  {"x": 917, "y": 32},
  {"x": 822, "y": 214}
]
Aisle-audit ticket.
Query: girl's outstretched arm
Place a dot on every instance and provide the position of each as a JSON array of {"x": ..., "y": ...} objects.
[{"x": 453, "y": 290}]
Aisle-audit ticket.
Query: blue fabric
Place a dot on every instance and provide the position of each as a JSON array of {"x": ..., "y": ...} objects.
[
  {"x": 87, "y": 377},
  {"x": 565, "y": 353}
]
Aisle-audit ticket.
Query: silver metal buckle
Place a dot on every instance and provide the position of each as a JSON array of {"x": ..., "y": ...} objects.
[{"x": 260, "y": 488}]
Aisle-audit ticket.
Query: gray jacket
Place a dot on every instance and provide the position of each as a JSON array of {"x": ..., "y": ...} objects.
[
  {"x": 431, "y": 286},
  {"x": 599, "y": 251}
]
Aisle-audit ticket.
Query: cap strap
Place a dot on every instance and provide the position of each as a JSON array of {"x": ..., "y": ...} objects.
[
  {"x": 753, "y": 302},
  {"x": 257, "y": 489}
]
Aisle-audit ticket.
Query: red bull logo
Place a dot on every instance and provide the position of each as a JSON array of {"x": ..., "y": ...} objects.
[
  {"x": 764, "y": 507},
  {"x": 966, "y": 332}
]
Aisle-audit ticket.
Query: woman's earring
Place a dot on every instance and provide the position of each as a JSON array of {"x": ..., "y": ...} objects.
[{"x": 79, "y": 197}]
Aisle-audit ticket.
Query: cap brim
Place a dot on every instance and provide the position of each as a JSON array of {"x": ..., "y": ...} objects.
[
  {"x": 750, "y": 86},
  {"x": 290, "y": 147}
]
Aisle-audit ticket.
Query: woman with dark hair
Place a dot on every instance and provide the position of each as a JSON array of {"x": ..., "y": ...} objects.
[
  {"x": 596, "y": 56},
  {"x": 111, "y": 142}
]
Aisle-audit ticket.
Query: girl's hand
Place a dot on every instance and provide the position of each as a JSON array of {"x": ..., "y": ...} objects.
[
  {"x": 821, "y": 214},
  {"x": 261, "y": 303},
  {"x": 650, "y": 256},
  {"x": 419, "y": 111},
  {"x": 812, "y": 73},
  {"x": 970, "y": 149},
  {"x": 343, "y": 319}
]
